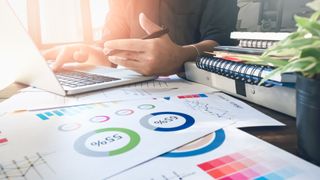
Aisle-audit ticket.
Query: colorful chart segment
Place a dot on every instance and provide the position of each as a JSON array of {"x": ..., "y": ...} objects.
[
  {"x": 69, "y": 127},
  {"x": 104, "y": 143},
  {"x": 193, "y": 96},
  {"x": 3, "y": 140},
  {"x": 242, "y": 166},
  {"x": 204, "y": 145},
  {"x": 99, "y": 119},
  {"x": 165, "y": 121},
  {"x": 69, "y": 111}
]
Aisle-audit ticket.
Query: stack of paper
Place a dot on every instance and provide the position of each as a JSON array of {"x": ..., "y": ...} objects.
[{"x": 190, "y": 134}]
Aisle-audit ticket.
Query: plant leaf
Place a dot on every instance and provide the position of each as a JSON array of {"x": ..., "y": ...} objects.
[
  {"x": 300, "y": 50},
  {"x": 275, "y": 72},
  {"x": 310, "y": 51},
  {"x": 312, "y": 73},
  {"x": 312, "y": 26},
  {"x": 287, "y": 40},
  {"x": 294, "y": 47},
  {"x": 315, "y": 16},
  {"x": 306, "y": 65},
  {"x": 267, "y": 61},
  {"x": 301, "y": 65}
]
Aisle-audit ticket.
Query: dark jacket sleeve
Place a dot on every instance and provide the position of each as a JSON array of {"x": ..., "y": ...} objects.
[
  {"x": 115, "y": 26},
  {"x": 219, "y": 19}
]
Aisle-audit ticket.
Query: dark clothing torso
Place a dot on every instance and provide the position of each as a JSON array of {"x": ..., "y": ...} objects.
[{"x": 189, "y": 21}]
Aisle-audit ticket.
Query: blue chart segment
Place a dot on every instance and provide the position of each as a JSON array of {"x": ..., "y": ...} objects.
[
  {"x": 69, "y": 111},
  {"x": 215, "y": 140},
  {"x": 167, "y": 121}
]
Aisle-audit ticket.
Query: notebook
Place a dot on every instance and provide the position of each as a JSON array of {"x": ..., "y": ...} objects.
[
  {"x": 247, "y": 73},
  {"x": 239, "y": 49},
  {"x": 32, "y": 69},
  {"x": 278, "y": 98},
  {"x": 261, "y": 40}
]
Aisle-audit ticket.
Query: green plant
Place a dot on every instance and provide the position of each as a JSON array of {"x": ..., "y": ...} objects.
[{"x": 299, "y": 52}]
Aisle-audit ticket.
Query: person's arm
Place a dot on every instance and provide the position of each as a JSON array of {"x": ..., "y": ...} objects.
[
  {"x": 161, "y": 56},
  {"x": 116, "y": 25},
  {"x": 114, "y": 28},
  {"x": 158, "y": 56},
  {"x": 219, "y": 19}
]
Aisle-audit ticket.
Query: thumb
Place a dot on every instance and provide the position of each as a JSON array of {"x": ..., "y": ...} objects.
[{"x": 147, "y": 25}]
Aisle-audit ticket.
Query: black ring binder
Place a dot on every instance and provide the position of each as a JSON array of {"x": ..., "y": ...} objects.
[{"x": 247, "y": 73}]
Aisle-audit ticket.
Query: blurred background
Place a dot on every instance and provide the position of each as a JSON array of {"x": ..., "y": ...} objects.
[
  {"x": 55, "y": 22},
  {"x": 270, "y": 15}
]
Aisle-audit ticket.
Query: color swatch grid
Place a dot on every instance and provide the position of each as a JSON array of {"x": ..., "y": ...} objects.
[
  {"x": 193, "y": 96},
  {"x": 69, "y": 111},
  {"x": 245, "y": 165}
]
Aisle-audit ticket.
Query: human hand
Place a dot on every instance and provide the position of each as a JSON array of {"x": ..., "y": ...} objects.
[
  {"x": 74, "y": 53},
  {"x": 158, "y": 56}
]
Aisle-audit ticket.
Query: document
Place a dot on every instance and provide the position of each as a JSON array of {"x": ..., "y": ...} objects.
[
  {"x": 95, "y": 141},
  {"x": 225, "y": 154},
  {"x": 221, "y": 107},
  {"x": 32, "y": 98}
]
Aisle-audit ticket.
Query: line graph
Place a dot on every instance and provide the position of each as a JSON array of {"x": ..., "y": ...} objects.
[
  {"x": 29, "y": 167},
  {"x": 174, "y": 176},
  {"x": 210, "y": 108},
  {"x": 151, "y": 84}
]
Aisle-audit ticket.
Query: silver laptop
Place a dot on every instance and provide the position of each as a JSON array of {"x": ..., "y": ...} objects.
[{"x": 32, "y": 69}]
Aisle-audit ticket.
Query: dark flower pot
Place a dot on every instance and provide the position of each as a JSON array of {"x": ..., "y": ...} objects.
[{"x": 308, "y": 118}]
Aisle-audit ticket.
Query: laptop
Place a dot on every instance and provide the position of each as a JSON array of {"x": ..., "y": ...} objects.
[{"x": 32, "y": 69}]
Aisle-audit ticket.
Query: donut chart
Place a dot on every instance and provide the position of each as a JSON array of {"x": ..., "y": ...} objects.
[
  {"x": 124, "y": 112},
  {"x": 167, "y": 121},
  {"x": 146, "y": 106},
  {"x": 107, "y": 142},
  {"x": 99, "y": 119},
  {"x": 69, "y": 127},
  {"x": 204, "y": 145}
]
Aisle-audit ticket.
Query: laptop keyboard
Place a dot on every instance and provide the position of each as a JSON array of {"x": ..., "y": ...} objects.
[{"x": 75, "y": 79}]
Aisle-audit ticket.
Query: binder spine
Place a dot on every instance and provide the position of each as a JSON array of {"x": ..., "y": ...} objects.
[{"x": 247, "y": 73}]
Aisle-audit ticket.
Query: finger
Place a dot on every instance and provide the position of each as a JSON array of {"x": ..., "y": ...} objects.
[
  {"x": 63, "y": 57},
  {"x": 137, "y": 45},
  {"x": 82, "y": 55},
  {"x": 128, "y": 63},
  {"x": 51, "y": 54},
  {"x": 130, "y": 55},
  {"x": 147, "y": 25}
]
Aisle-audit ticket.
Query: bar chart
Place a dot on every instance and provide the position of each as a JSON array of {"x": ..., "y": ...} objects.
[
  {"x": 193, "y": 96},
  {"x": 68, "y": 111}
]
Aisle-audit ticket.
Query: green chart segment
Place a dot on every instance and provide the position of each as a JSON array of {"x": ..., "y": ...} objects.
[{"x": 81, "y": 147}]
